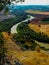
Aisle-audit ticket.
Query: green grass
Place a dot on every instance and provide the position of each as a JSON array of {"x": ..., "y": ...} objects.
[
  {"x": 41, "y": 44},
  {"x": 46, "y": 22},
  {"x": 36, "y": 11}
]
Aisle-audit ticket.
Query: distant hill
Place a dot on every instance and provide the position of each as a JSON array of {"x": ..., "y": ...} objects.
[{"x": 32, "y": 7}]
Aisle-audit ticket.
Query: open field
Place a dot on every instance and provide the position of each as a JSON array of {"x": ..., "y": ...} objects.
[
  {"x": 30, "y": 58},
  {"x": 12, "y": 48},
  {"x": 40, "y": 28},
  {"x": 46, "y": 46},
  {"x": 37, "y": 12},
  {"x": 25, "y": 57}
]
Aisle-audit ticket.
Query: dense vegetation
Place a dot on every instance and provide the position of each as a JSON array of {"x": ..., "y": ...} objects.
[
  {"x": 2, "y": 49},
  {"x": 3, "y": 3},
  {"x": 45, "y": 20},
  {"x": 23, "y": 29},
  {"x": 25, "y": 41},
  {"x": 26, "y": 37},
  {"x": 7, "y": 24}
]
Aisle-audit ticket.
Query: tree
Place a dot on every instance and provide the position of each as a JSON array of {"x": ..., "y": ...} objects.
[{"x": 3, "y": 3}]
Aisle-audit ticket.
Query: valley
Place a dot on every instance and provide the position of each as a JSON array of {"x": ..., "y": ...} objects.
[{"x": 24, "y": 36}]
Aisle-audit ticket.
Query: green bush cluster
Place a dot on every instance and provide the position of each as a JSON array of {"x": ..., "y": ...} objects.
[
  {"x": 24, "y": 29},
  {"x": 7, "y": 24},
  {"x": 25, "y": 34}
]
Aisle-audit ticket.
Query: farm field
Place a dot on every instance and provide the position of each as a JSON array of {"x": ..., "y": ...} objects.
[{"x": 37, "y": 12}]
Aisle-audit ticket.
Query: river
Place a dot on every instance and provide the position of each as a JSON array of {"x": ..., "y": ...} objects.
[{"x": 14, "y": 27}]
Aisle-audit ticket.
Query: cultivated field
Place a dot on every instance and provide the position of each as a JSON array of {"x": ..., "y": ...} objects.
[{"x": 37, "y": 12}]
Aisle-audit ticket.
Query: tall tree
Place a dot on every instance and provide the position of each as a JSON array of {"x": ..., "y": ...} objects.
[{"x": 3, "y": 3}]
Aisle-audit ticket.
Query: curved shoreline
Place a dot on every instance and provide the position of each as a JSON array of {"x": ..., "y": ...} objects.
[{"x": 14, "y": 27}]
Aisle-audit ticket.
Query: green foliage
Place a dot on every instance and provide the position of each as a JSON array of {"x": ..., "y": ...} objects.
[
  {"x": 22, "y": 39},
  {"x": 7, "y": 24},
  {"x": 25, "y": 34},
  {"x": 2, "y": 48},
  {"x": 6, "y": 10},
  {"x": 3, "y": 3},
  {"x": 23, "y": 29},
  {"x": 45, "y": 20}
]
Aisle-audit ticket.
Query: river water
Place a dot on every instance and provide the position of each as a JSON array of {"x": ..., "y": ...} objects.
[{"x": 14, "y": 27}]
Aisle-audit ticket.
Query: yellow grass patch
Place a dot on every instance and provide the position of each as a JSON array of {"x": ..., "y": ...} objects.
[
  {"x": 26, "y": 57},
  {"x": 42, "y": 28},
  {"x": 33, "y": 58}
]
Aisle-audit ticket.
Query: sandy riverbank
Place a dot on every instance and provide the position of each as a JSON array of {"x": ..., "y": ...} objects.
[{"x": 14, "y": 28}]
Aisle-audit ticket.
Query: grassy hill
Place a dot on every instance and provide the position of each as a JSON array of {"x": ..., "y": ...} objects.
[
  {"x": 24, "y": 57},
  {"x": 40, "y": 28},
  {"x": 33, "y": 58}
]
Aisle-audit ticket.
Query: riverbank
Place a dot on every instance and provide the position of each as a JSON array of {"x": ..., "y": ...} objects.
[{"x": 14, "y": 28}]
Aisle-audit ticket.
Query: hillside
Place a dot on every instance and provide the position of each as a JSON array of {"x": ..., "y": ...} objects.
[
  {"x": 33, "y": 58},
  {"x": 12, "y": 47},
  {"x": 40, "y": 28},
  {"x": 14, "y": 52}
]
